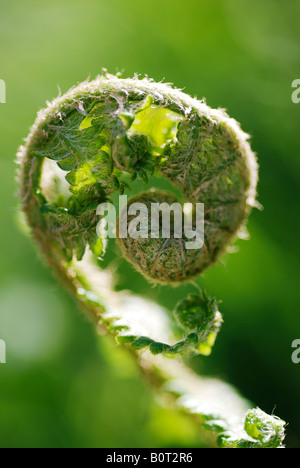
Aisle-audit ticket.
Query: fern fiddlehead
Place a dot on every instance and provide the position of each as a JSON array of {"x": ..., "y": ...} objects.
[{"x": 97, "y": 140}]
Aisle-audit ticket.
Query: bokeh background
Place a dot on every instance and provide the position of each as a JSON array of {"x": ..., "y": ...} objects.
[{"x": 63, "y": 386}]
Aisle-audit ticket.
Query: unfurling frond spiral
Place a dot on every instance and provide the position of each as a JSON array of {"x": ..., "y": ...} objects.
[{"x": 101, "y": 138}]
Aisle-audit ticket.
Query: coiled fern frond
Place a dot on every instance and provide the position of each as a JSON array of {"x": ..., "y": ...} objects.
[{"x": 96, "y": 141}]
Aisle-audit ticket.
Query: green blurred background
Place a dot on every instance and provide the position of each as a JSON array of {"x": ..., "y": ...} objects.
[{"x": 63, "y": 386}]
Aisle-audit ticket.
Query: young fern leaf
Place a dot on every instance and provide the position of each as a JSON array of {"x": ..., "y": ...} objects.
[{"x": 90, "y": 143}]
